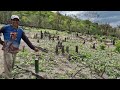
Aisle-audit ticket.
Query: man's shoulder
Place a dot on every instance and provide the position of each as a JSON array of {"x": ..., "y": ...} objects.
[{"x": 5, "y": 26}]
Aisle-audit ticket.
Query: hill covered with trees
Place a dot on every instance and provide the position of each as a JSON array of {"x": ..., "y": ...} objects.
[{"x": 57, "y": 21}]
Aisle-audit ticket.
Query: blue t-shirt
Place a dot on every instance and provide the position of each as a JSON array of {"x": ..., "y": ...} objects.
[{"x": 8, "y": 32}]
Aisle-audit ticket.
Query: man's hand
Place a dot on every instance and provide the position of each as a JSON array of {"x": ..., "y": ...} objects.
[
  {"x": 1, "y": 42},
  {"x": 36, "y": 49}
]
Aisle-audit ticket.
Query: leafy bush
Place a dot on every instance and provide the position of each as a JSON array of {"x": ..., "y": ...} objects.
[
  {"x": 102, "y": 47},
  {"x": 117, "y": 46}
]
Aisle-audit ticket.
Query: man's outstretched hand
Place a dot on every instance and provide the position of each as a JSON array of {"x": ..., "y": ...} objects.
[
  {"x": 36, "y": 49},
  {"x": 40, "y": 49}
]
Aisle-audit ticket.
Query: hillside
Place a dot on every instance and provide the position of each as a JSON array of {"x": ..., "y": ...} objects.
[{"x": 57, "y": 21}]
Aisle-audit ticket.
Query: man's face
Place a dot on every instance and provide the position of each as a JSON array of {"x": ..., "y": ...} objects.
[{"x": 15, "y": 22}]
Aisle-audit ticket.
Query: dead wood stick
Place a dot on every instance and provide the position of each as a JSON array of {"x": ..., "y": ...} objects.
[
  {"x": 77, "y": 72},
  {"x": 40, "y": 77}
]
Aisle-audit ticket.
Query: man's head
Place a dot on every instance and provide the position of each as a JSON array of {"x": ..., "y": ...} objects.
[{"x": 15, "y": 20}]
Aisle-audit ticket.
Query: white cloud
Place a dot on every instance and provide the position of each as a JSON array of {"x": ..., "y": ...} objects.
[
  {"x": 72, "y": 12},
  {"x": 112, "y": 17},
  {"x": 114, "y": 24}
]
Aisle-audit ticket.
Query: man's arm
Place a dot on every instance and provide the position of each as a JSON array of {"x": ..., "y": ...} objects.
[
  {"x": 27, "y": 41},
  {"x": 1, "y": 31},
  {"x": 1, "y": 42}
]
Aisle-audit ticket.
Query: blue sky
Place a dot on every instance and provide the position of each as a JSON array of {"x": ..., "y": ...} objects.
[{"x": 111, "y": 17}]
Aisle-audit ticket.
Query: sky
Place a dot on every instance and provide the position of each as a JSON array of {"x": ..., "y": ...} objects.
[{"x": 110, "y": 17}]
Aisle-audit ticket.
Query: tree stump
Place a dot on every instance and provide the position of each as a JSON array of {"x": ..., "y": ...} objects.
[
  {"x": 49, "y": 36},
  {"x": 23, "y": 48},
  {"x": 38, "y": 41},
  {"x": 76, "y": 49},
  {"x": 57, "y": 37},
  {"x": 84, "y": 42},
  {"x": 65, "y": 39},
  {"x": 69, "y": 57},
  {"x": 45, "y": 33},
  {"x": 61, "y": 45},
  {"x": 77, "y": 34},
  {"x": 63, "y": 51},
  {"x": 56, "y": 50},
  {"x": 67, "y": 49},
  {"x": 93, "y": 46},
  {"x": 91, "y": 39},
  {"x": 53, "y": 38},
  {"x": 36, "y": 36},
  {"x": 58, "y": 43},
  {"x": 41, "y": 35},
  {"x": 113, "y": 41}
]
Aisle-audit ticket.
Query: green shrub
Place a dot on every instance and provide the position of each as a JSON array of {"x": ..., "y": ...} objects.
[
  {"x": 117, "y": 46},
  {"x": 102, "y": 47}
]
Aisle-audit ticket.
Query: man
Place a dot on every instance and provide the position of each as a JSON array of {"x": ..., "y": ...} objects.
[{"x": 12, "y": 37}]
